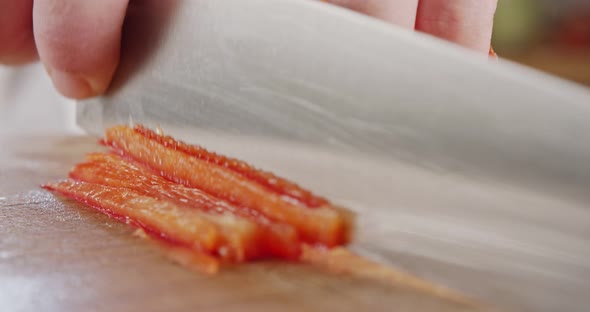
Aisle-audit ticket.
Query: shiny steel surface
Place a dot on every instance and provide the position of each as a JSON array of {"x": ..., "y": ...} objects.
[{"x": 469, "y": 172}]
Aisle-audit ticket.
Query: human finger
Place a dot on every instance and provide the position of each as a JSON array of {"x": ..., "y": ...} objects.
[
  {"x": 399, "y": 12},
  {"x": 79, "y": 43},
  {"x": 17, "y": 45},
  {"x": 466, "y": 22}
]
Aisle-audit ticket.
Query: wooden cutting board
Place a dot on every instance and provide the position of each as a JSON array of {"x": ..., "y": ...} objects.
[{"x": 57, "y": 255}]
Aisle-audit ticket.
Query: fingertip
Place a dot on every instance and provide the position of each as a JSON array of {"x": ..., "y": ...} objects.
[
  {"x": 78, "y": 86},
  {"x": 79, "y": 43},
  {"x": 71, "y": 85}
]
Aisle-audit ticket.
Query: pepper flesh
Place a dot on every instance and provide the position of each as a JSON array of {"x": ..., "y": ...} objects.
[
  {"x": 277, "y": 239},
  {"x": 204, "y": 206},
  {"x": 323, "y": 225},
  {"x": 267, "y": 179},
  {"x": 224, "y": 236}
]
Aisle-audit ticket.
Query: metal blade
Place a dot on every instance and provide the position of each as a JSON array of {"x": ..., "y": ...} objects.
[{"x": 468, "y": 172}]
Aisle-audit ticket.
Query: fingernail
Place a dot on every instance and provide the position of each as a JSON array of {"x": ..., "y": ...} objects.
[{"x": 71, "y": 85}]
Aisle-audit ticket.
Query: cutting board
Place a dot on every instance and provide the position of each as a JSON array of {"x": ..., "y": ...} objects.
[{"x": 57, "y": 255}]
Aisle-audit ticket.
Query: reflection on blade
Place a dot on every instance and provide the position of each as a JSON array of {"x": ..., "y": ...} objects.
[{"x": 469, "y": 173}]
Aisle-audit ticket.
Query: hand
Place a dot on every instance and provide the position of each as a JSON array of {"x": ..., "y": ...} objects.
[
  {"x": 78, "y": 41},
  {"x": 465, "y": 22}
]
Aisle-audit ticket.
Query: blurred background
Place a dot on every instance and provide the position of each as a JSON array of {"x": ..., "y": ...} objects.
[{"x": 550, "y": 35}]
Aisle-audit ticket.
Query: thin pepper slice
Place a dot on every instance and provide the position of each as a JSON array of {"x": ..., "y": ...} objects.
[
  {"x": 276, "y": 239},
  {"x": 180, "y": 225},
  {"x": 187, "y": 257},
  {"x": 323, "y": 225},
  {"x": 266, "y": 179}
]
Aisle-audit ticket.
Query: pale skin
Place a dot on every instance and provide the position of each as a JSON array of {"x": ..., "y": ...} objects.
[{"x": 78, "y": 41}]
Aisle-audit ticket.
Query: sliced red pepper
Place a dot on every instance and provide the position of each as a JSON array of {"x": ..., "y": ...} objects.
[
  {"x": 323, "y": 225},
  {"x": 184, "y": 256},
  {"x": 225, "y": 236},
  {"x": 280, "y": 240},
  {"x": 266, "y": 179}
]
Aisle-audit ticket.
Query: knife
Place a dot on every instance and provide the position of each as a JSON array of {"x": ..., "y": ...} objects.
[{"x": 465, "y": 171}]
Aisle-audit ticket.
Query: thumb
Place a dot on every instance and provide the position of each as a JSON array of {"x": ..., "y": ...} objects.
[{"x": 79, "y": 42}]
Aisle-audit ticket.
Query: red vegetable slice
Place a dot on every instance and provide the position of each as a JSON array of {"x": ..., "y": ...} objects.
[
  {"x": 184, "y": 256},
  {"x": 267, "y": 179},
  {"x": 225, "y": 236},
  {"x": 204, "y": 206},
  {"x": 277, "y": 239},
  {"x": 323, "y": 225}
]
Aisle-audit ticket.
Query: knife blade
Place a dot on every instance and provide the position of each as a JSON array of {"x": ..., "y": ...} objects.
[
  {"x": 315, "y": 73},
  {"x": 465, "y": 171}
]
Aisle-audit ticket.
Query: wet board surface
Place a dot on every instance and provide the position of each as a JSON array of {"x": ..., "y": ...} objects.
[
  {"x": 514, "y": 246},
  {"x": 57, "y": 255}
]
